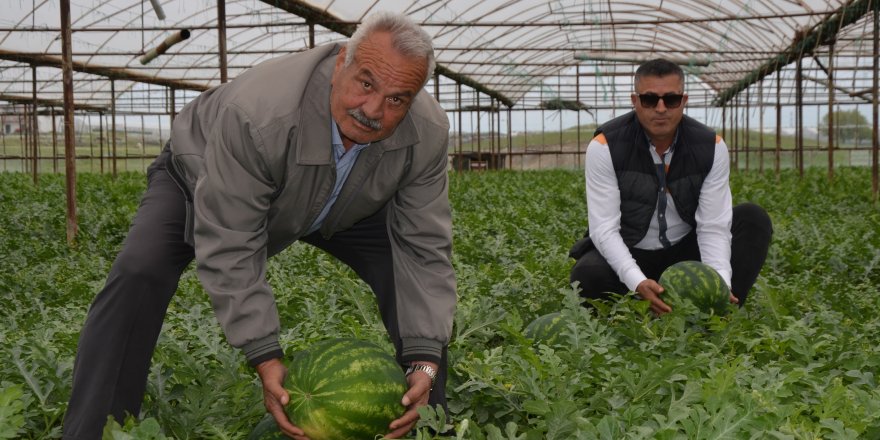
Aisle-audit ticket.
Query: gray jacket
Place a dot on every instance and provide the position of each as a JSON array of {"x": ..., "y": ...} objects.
[{"x": 255, "y": 155}]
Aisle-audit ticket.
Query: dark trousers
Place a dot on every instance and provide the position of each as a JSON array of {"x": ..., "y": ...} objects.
[
  {"x": 751, "y": 231},
  {"x": 119, "y": 335}
]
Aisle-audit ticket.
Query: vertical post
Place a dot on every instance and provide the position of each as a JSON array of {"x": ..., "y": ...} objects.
[
  {"x": 35, "y": 138},
  {"x": 159, "y": 124},
  {"x": 125, "y": 138},
  {"x": 113, "y": 126},
  {"x": 761, "y": 127},
  {"x": 724, "y": 123},
  {"x": 69, "y": 146},
  {"x": 561, "y": 110},
  {"x": 831, "y": 111},
  {"x": 173, "y": 110},
  {"x": 91, "y": 144},
  {"x": 311, "y": 35},
  {"x": 498, "y": 135},
  {"x": 522, "y": 160},
  {"x": 577, "y": 97},
  {"x": 460, "y": 128},
  {"x": 101, "y": 143},
  {"x": 492, "y": 129},
  {"x": 54, "y": 142},
  {"x": 143, "y": 145},
  {"x": 509, "y": 139},
  {"x": 778, "y": 120},
  {"x": 799, "y": 111},
  {"x": 22, "y": 136},
  {"x": 734, "y": 125},
  {"x": 479, "y": 129},
  {"x": 543, "y": 131},
  {"x": 748, "y": 132},
  {"x": 221, "y": 39},
  {"x": 874, "y": 137}
]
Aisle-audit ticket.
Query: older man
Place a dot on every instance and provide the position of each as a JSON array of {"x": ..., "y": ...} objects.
[
  {"x": 658, "y": 193},
  {"x": 339, "y": 147}
]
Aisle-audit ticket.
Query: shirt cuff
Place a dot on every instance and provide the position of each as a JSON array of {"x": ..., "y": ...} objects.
[
  {"x": 263, "y": 349},
  {"x": 421, "y": 349},
  {"x": 632, "y": 278}
]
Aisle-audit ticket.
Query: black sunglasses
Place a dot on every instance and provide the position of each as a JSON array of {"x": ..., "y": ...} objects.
[{"x": 670, "y": 100}]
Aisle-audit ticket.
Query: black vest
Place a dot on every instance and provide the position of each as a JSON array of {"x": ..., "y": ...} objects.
[{"x": 637, "y": 176}]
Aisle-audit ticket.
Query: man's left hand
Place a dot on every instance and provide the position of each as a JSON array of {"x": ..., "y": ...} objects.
[
  {"x": 417, "y": 396},
  {"x": 733, "y": 299}
]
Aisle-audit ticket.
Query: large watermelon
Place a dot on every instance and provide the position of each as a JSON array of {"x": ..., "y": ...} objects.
[
  {"x": 697, "y": 283},
  {"x": 546, "y": 329},
  {"x": 344, "y": 389}
]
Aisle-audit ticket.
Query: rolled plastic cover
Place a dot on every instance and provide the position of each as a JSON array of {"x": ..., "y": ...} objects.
[{"x": 172, "y": 39}]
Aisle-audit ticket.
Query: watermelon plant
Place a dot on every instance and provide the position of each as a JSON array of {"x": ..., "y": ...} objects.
[
  {"x": 696, "y": 283},
  {"x": 800, "y": 361}
]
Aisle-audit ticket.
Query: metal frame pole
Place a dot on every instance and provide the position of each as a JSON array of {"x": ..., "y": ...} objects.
[
  {"x": 69, "y": 132},
  {"x": 799, "y": 111},
  {"x": 778, "y": 121},
  {"x": 875, "y": 182},
  {"x": 221, "y": 39},
  {"x": 831, "y": 111},
  {"x": 35, "y": 138},
  {"x": 113, "y": 125}
]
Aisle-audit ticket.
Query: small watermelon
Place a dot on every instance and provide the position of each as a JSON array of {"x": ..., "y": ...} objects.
[
  {"x": 546, "y": 329},
  {"x": 344, "y": 389},
  {"x": 267, "y": 429},
  {"x": 698, "y": 283}
]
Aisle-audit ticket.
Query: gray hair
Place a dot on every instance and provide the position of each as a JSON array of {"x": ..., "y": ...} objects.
[{"x": 406, "y": 36}]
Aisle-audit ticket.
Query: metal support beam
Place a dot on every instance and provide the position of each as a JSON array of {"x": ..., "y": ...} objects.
[
  {"x": 803, "y": 45},
  {"x": 35, "y": 136},
  {"x": 69, "y": 129},
  {"x": 105, "y": 71},
  {"x": 799, "y": 112},
  {"x": 778, "y": 122},
  {"x": 831, "y": 115},
  {"x": 221, "y": 39},
  {"x": 875, "y": 182},
  {"x": 113, "y": 126},
  {"x": 314, "y": 15}
]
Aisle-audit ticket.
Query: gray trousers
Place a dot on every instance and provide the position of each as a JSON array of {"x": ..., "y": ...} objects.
[{"x": 120, "y": 332}]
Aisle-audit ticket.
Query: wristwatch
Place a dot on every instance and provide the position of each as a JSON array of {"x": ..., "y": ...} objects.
[{"x": 427, "y": 369}]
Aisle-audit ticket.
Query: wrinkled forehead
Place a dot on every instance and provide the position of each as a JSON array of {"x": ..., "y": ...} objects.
[{"x": 384, "y": 63}]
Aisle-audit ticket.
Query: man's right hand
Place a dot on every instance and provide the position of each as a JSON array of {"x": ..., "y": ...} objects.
[
  {"x": 272, "y": 374},
  {"x": 650, "y": 291}
]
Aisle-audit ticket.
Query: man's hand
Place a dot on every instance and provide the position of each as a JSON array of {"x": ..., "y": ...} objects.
[
  {"x": 415, "y": 397},
  {"x": 650, "y": 291},
  {"x": 272, "y": 374},
  {"x": 733, "y": 299}
]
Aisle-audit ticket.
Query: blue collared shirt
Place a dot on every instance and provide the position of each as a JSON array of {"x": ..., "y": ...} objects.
[{"x": 344, "y": 163}]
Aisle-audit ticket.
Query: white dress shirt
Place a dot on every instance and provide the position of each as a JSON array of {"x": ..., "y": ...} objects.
[{"x": 713, "y": 215}]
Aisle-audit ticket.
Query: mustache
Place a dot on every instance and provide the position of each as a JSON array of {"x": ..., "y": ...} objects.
[{"x": 359, "y": 115}]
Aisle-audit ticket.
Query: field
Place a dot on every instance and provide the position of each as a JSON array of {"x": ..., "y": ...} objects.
[{"x": 800, "y": 361}]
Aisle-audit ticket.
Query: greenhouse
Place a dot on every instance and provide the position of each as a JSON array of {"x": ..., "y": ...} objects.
[{"x": 92, "y": 90}]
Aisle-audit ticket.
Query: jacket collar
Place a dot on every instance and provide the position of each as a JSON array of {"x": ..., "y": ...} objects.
[{"x": 313, "y": 142}]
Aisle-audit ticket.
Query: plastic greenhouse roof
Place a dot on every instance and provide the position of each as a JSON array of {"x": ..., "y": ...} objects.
[{"x": 522, "y": 53}]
